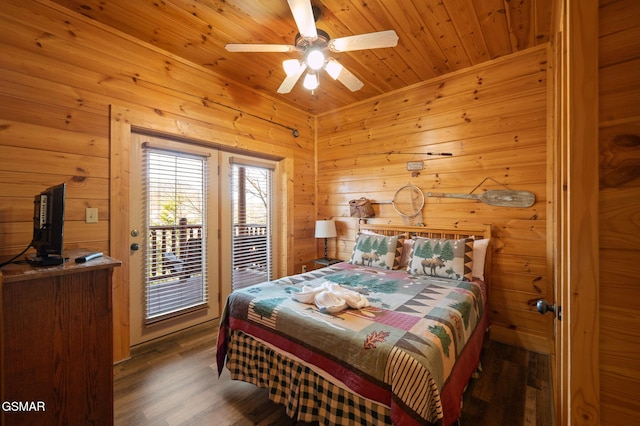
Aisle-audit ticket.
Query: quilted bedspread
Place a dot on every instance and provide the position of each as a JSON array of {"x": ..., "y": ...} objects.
[{"x": 399, "y": 351}]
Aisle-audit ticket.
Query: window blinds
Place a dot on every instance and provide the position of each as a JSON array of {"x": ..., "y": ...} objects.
[
  {"x": 175, "y": 193},
  {"x": 251, "y": 198}
]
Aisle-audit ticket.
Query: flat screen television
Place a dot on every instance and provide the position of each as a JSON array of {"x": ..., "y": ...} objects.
[{"x": 48, "y": 226}]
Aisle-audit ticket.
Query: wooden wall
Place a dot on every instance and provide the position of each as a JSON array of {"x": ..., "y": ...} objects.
[
  {"x": 493, "y": 119},
  {"x": 619, "y": 135},
  {"x": 59, "y": 74}
]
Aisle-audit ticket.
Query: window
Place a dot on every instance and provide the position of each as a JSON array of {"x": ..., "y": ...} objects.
[
  {"x": 252, "y": 235},
  {"x": 175, "y": 269}
]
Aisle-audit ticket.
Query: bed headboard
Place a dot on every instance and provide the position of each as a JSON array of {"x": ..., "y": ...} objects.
[
  {"x": 478, "y": 232},
  {"x": 483, "y": 231}
]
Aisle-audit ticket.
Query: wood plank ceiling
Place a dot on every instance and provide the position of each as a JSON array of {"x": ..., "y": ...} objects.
[{"x": 436, "y": 37}]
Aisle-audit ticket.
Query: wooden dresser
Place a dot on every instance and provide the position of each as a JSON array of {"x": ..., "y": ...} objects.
[{"x": 56, "y": 343}]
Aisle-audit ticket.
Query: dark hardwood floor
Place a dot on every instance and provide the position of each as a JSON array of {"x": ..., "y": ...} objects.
[{"x": 174, "y": 381}]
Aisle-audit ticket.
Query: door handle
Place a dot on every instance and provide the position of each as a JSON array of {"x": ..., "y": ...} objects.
[
  {"x": 135, "y": 246},
  {"x": 543, "y": 307}
]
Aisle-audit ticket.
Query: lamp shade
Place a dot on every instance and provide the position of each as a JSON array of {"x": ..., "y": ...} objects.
[
  {"x": 325, "y": 229},
  {"x": 311, "y": 81}
]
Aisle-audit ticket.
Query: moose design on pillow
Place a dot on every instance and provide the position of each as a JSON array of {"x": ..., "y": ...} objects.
[
  {"x": 377, "y": 251},
  {"x": 442, "y": 258}
]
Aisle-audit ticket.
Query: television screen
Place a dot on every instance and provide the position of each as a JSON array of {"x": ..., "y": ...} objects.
[{"x": 48, "y": 226}]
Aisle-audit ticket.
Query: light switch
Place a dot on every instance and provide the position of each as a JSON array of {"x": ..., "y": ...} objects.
[{"x": 91, "y": 215}]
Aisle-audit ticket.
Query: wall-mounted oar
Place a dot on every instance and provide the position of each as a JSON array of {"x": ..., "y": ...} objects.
[{"x": 500, "y": 198}]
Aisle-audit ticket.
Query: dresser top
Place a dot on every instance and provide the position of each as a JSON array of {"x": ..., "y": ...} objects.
[{"x": 24, "y": 271}]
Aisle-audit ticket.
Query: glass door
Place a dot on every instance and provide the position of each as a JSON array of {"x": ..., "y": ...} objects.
[
  {"x": 249, "y": 185},
  {"x": 174, "y": 278}
]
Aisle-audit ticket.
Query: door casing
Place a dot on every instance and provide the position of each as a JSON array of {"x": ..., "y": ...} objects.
[{"x": 124, "y": 120}]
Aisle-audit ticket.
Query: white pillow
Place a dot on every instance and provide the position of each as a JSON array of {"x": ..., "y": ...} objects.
[{"x": 479, "y": 253}]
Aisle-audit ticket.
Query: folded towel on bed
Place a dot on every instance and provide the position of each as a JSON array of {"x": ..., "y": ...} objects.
[{"x": 331, "y": 297}]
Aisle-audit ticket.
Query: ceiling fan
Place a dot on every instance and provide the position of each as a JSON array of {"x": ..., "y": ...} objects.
[{"x": 315, "y": 45}]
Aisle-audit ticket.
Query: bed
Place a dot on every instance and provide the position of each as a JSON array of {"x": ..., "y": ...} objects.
[{"x": 391, "y": 336}]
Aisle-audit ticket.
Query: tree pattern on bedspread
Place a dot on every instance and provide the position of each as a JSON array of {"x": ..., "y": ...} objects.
[{"x": 415, "y": 327}]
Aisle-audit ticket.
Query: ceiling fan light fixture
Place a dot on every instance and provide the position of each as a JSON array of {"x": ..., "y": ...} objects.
[
  {"x": 291, "y": 66},
  {"x": 311, "y": 81},
  {"x": 315, "y": 59},
  {"x": 314, "y": 45}
]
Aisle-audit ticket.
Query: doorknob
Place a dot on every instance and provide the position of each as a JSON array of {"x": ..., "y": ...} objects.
[
  {"x": 543, "y": 307},
  {"x": 135, "y": 246}
]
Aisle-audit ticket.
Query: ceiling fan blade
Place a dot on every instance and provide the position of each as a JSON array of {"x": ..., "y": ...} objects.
[
  {"x": 375, "y": 40},
  {"x": 343, "y": 75},
  {"x": 303, "y": 15},
  {"x": 260, "y": 48},
  {"x": 291, "y": 79}
]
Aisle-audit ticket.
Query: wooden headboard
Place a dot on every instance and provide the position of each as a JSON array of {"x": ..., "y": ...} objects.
[
  {"x": 479, "y": 232},
  {"x": 483, "y": 231}
]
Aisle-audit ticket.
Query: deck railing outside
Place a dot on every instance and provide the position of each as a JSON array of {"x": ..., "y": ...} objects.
[{"x": 176, "y": 251}]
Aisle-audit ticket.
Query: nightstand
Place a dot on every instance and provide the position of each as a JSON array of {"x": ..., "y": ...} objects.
[{"x": 326, "y": 261}]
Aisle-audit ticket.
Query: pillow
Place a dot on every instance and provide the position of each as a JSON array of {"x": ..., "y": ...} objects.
[
  {"x": 442, "y": 258},
  {"x": 479, "y": 254},
  {"x": 406, "y": 248},
  {"x": 377, "y": 251}
]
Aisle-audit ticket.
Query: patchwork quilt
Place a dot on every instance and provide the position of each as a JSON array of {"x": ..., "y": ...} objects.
[{"x": 399, "y": 351}]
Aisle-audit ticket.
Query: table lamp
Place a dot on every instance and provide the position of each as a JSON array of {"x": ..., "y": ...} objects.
[{"x": 325, "y": 229}]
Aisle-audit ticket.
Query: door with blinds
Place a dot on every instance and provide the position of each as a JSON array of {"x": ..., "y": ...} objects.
[
  {"x": 174, "y": 276},
  {"x": 248, "y": 229}
]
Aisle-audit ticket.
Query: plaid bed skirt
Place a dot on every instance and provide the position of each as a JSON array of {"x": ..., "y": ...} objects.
[{"x": 306, "y": 395}]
